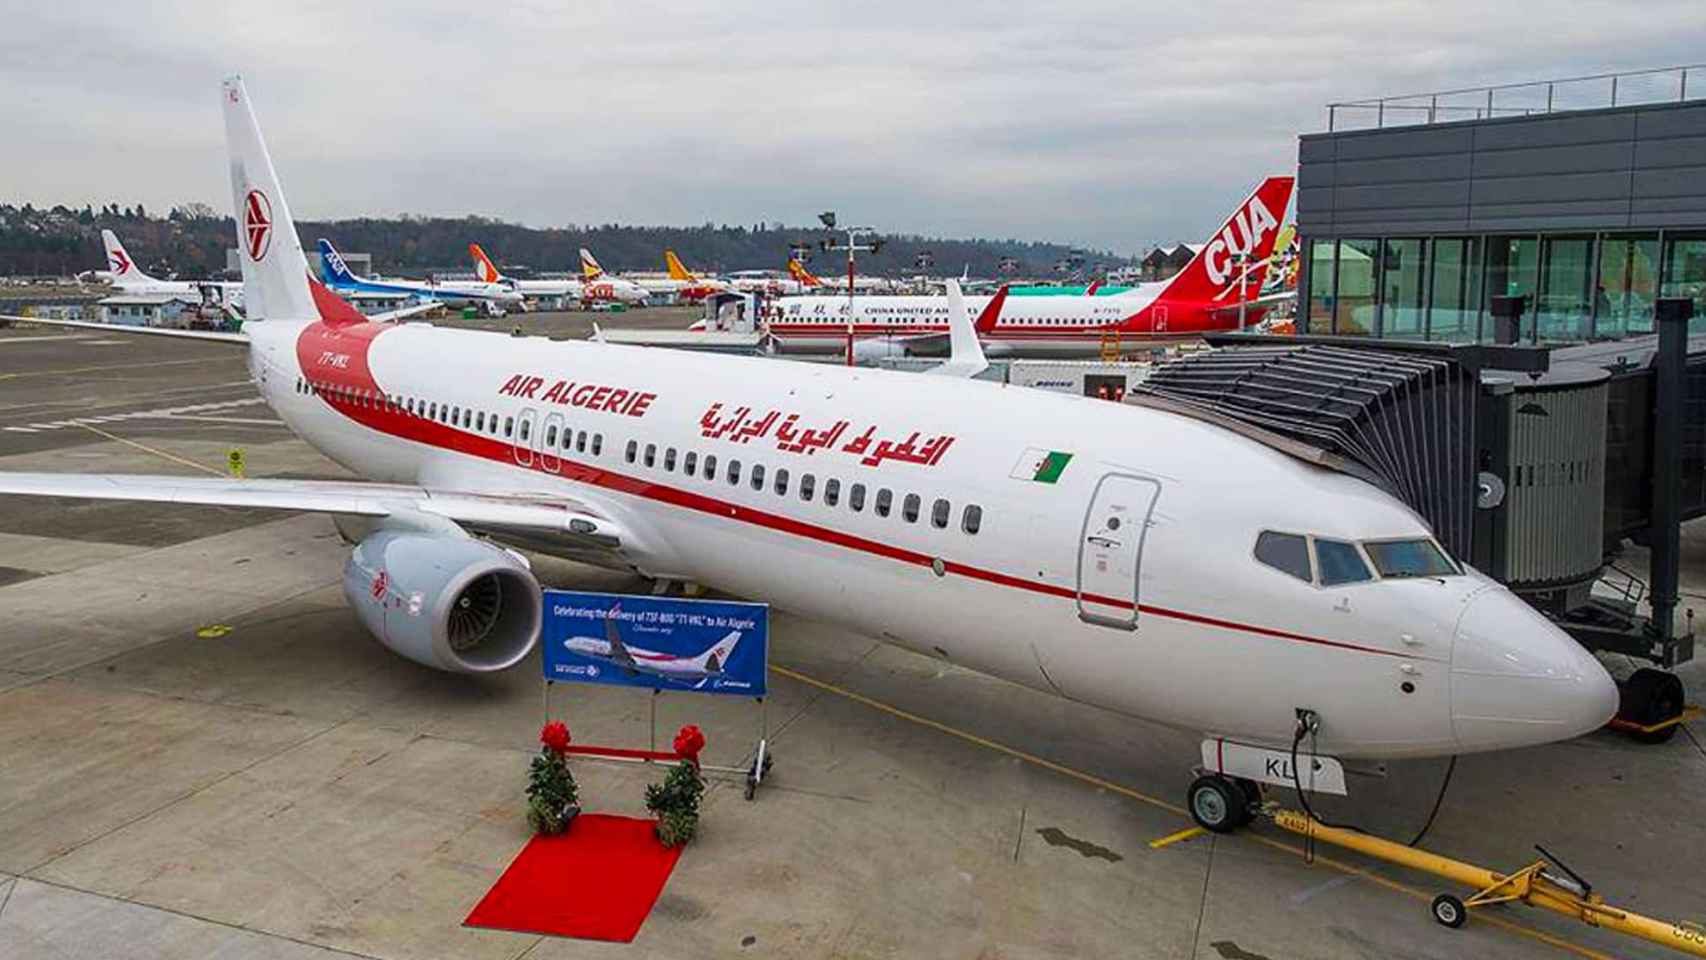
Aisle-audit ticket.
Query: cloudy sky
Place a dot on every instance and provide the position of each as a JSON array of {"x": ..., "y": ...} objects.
[{"x": 1106, "y": 124}]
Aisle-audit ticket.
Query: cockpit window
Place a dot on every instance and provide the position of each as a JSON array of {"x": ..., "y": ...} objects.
[
  {"x": 1285, "y": 552},
  {"x": 1339, "y": 562},
  {"x": 1409, "y": 558}
]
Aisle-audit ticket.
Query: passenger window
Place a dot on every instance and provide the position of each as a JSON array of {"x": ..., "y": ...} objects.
[
  {"x": 432, "y": 411},
  {"x": 758, "y": 476},
  {"x": 711, "y": 466},
  {"x": 633, "y": 450},
  {"x": 972, "y": 520},
  {"x": 1339, "y": 562},
  {"x": 1285, "y": 552},
  {"x": 467, "y": 419},
  {"x": 831, "y": 492},
  {"x": 597, "y": 443},
  {"x": 651, "y": 454},
  {"x": 808, "y": 486},
  {"x": 509, "y": 426},
  {"x": 551, "y": 435},
  {"x": 734, "y": 470},
  {"x": 909, "y": 508},
  {"x": 580, "y": 442},
  {"x": 939, "y": 512},
  {"x": 885, "y": 499},
  {"x": 856, "y": 497},
  {"x": 690, "y": 463},
  {"x": 782, "y": 481},
  {"x": 669, "y": 459},
  {"x": 480, "y": 422},
  {"x": 525, "y": 425}
]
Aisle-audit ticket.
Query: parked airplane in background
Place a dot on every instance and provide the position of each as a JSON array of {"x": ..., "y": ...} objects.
[
  {"x": 612, "y": 650},
  {"x": 1203, "y": 297},
  {"x": 598, "y": 286},
  {"x": 689, "y": 285},
  {"x": 128, "y": 279},
  {"x": 488, "y": 272},
  {"x": 1126, "y": 557},
  {"x": 495, "y": 298}
]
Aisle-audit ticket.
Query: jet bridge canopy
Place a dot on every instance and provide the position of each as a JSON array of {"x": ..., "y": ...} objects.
[{"x": 1404, "y": 421}]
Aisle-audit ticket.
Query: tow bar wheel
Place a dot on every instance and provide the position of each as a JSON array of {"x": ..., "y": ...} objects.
[
  {"x": 1450, "y": 911},
  {"x": 1217, "y": 803}
]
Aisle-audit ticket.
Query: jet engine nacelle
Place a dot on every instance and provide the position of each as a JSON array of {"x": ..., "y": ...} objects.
[
  {"x": 450, "y": 603},
  {"x": 868, "y": 352}
]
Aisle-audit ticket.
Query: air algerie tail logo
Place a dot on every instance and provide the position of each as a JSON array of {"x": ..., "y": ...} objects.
[{"x": 257, "y": 224}]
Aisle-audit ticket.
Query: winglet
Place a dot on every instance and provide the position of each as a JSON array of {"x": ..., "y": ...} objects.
[
  {"x": 1094, "y": 286},
  {"x": 965, "y": 352}
]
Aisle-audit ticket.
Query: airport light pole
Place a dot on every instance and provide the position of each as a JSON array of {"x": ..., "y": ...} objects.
[{"x": 852, "y": 247}]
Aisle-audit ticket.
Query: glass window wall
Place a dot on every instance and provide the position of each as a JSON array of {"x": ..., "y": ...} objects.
[
  {"x": 1321, "y": 286},
  {"x": 1685, "y": 273},
  {"x": 1456, "y": 296},
  {"x": 1628, "y": 282},
  {"x": 1353, "y": 302},
  {"x": 1511, "y": 269},
  {"x": 1564, "y": 308},
  {"x": 1403, "y": 282}
]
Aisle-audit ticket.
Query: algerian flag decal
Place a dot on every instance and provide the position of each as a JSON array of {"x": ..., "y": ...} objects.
[{"x": 1041, "y": 466}]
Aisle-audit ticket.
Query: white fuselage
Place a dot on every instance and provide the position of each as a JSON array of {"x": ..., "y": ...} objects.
[{"x": 1176, "y": 622}]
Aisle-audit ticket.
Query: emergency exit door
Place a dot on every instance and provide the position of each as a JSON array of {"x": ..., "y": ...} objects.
[{"x": 1110, "y": 549}]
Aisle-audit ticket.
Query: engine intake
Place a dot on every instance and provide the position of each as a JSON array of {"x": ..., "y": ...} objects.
[{"x": 448, "y": 602}]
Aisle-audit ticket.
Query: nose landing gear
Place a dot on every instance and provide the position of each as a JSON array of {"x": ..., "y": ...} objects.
[{"x": 1222, "y": 804}]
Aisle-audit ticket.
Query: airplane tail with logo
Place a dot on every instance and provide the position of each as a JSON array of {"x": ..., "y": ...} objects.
[
  {"x": 798, "y": 271},
  {"x": 716, "y": 659},
  {"x": 333, "y": 269},
  {"x": 484, "y": 268},
  {"x": 676, "y": 270},
  {"x": 1242, "y": 246},
  {"x": 589, "y": 265},
  {"x": 124, "y": 269},
  {"x": 275, "y": 271}
]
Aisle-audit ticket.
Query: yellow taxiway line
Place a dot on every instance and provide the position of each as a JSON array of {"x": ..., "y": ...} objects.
[{"x": 154, "y": 450}]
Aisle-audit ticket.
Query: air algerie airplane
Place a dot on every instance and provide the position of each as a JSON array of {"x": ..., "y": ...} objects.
[
  {"x": 1204, "y": 296},
  {"x": 1137, "y": 560},
  {"x": 640, "y": 660},
  {"x": 127, "y": 278}
]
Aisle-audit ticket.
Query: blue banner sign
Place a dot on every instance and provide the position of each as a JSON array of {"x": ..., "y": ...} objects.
[{"x": 664, "y": 643}]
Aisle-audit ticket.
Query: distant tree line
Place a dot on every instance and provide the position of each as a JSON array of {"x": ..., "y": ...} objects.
[{"x": 190, "y": 242}]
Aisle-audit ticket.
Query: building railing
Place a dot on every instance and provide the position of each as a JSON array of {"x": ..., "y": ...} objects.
[{"x": 1661, "y": 85}]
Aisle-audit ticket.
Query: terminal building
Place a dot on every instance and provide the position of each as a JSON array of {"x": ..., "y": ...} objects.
[{"x": 1561, "y": 191}]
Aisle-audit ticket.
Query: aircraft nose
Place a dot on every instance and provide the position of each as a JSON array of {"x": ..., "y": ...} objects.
[{"x": 1517, "y": 680}]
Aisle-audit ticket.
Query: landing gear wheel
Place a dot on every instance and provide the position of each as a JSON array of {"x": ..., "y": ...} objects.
[
  {"x": 1252, "y": 797},
  {"x": 1450, "y": 911},
  {"x": 1648, "y": 697},
  {"x": 1217, "y": 804}
]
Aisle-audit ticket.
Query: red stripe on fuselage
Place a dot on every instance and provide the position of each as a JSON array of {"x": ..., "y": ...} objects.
[{"x": 351, "y": 390}]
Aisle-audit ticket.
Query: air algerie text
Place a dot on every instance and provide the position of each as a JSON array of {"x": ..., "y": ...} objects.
[{"x": 590, "y": 396}]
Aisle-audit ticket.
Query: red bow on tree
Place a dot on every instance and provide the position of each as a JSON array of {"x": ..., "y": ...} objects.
[
  {"x": 688, "y": 742},
  {"x": 555, "y": 737}
]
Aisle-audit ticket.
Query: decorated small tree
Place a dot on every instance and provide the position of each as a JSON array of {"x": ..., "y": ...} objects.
[
  {"x": 551, "y": 790},
  {"x": 675, "y": 802}
]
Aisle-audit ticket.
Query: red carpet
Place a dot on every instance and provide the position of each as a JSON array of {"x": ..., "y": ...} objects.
[{"x": 598, "y": 881}]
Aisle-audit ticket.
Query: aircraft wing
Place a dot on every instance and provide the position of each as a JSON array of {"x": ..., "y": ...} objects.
[
  {"x": 554, "y": 515},
  {"x": 219, "y": 336},
  {"x": 392, "y": 316},
  {"x": 1261, "y": 301}
]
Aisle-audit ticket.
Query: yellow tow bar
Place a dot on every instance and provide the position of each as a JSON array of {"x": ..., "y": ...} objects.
[{"x": 1532, "y": 885}]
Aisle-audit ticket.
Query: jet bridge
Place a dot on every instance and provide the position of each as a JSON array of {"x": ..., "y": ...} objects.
[{"x": 1535, "y": 463}]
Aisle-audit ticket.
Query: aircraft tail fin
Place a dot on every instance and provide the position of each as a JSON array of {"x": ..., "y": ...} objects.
[
  {"x": 1238, "y": 252},
  {"x": 676, "y": 270},
  {"x": 716, "y": 659},
  {"x": 332, "y": 267},
  {"x": 589, "y": 265},
  {"x": 484, "y": 268},
  {"x": 123, "y": 268},
  {"x": 798, "y": 271},
  {"x": 266, "y": 234},
  {"x": 1094, "y": 286},
  {"x": 613, "y": 636}
]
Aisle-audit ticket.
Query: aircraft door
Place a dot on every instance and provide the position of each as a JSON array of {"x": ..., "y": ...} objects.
[
  {"x": 526, "y": 424},
  {"x": 1110, "y": 549},
  {"x": 550, "y": 435}
]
